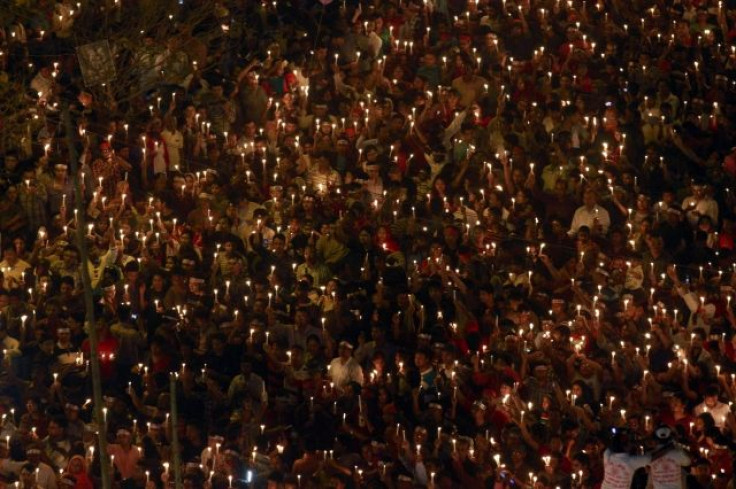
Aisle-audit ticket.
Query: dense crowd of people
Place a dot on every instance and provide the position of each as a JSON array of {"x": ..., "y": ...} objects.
[{"x": 372, "y": 244}]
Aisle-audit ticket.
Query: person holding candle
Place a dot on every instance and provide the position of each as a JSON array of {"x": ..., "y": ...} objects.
[
  {"x": 110, "y": 167},
  {"x": 10, "y": 348},
  {"x": 699, "y": 203},
  {"x": 56, "y": 446},
  {"x": 560, "y": 114},
  {"x": 131, "y": 337},
  {"x": 126, "y": 454},
  {"x": 33, "y": 472},
  {"x": 68, "y": 266},
  {"x": 13, "y": 269},
  {"x": 77, "y": 468},
  {"x": 344, "y": 369},
  {"x": 720, "y": 411},
  {"x": 108, "y": 346},
  {"x": 33, "y": 199},
  {"x": 60, "y": 191},
  {"x": 591, "y": 215},
  {"x": 313, "y": 267}
]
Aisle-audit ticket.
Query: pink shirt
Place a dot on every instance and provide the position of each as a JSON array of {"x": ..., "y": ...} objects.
[{"x": 125, "y": 461}]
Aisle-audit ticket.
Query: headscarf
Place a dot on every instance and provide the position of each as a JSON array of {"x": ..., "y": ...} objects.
[{"x": 82, "y": 478}]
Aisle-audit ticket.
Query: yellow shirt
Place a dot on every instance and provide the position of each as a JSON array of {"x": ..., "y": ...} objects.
[{"x": 331, "y": 250}]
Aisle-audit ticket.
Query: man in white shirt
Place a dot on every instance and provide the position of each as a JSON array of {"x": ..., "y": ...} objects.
[
  {"x": 618, "y": 465},
  {"x": 97, "y": 261},
  {"x": 13, "y": 269},
  {"x": 322, "y": 177},
  {"x": 43, "y": 83},
  {"x": 345, "y": 369},
  {"x": 9, "y": 345},
  {"x": 45, "y": 478},
  {"x": 712, "y": 405},
  {"x": 668, "y": 461},
  {"x": 700, "y": 204},
  {"x": 590, "y": 214}
]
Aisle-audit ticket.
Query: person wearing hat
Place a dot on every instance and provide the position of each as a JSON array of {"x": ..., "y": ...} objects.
[
  {"x": 618, "y": 463},
  {"x": 345, "y": 369},
  {"x": 667, "y": 470}
]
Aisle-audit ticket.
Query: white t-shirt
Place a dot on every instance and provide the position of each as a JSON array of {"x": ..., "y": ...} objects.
[
  {"x": 719, "y": 412},
  {"x": 586, "y": 217},
  {"x": 666, "y": 472},
  {"x": 344, "y": 373},
  {"x": 620, "y": 467}
]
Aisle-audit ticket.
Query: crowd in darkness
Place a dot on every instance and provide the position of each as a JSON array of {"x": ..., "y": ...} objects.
[{"x": 376, "y": 244}]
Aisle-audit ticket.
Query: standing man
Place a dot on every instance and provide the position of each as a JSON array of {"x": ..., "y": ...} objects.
[
  {"x": 668, "y": 462},
  {"x": 111, "y": 168},
  {"x": 344, "y": 369},
  {"x": 619, "y": 464},
  {"x": 13, "y": 269},
  {"x": 590, "y": 214}
]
